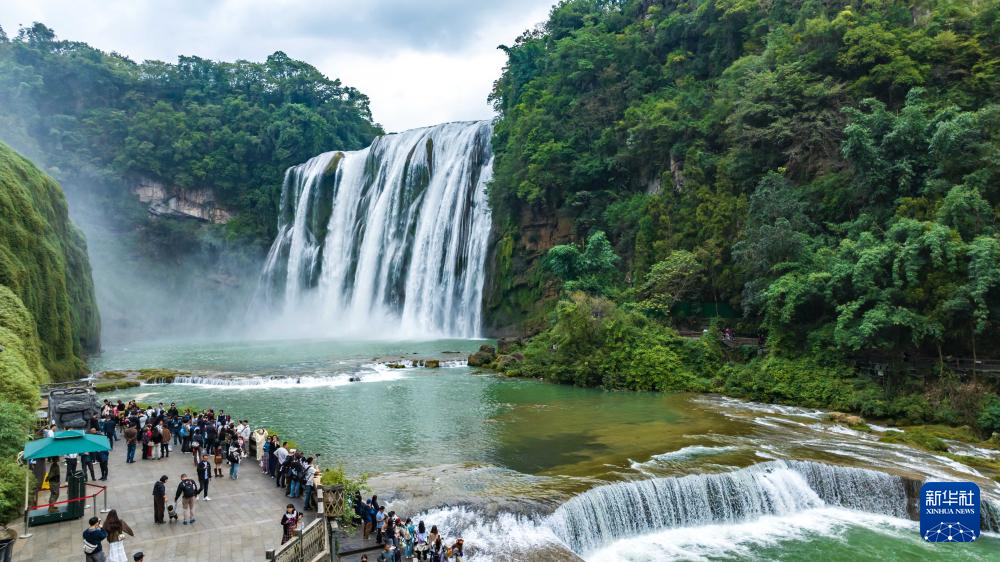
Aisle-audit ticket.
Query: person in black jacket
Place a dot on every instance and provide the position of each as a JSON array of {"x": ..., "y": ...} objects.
[
  {"x": 159, "y": 498},
  {"x": 204, "y": 475},
  {"x": 189, "y": 490}
]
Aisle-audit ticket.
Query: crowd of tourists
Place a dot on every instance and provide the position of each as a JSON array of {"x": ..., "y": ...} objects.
[
  {"x": 403, "y": 539},
  {"x": 215, "y": 441}
]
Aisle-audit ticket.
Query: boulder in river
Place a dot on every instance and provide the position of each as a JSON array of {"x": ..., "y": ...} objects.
[
  {"x": 432, "y": 363},
  {"x": 484, "y": 357}
]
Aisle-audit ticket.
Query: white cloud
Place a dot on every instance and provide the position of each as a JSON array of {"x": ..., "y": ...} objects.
[{"x": 420, "y": 62}]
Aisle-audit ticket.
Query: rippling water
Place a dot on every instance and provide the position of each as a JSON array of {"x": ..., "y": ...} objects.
[{"x": 495, "y": 459}]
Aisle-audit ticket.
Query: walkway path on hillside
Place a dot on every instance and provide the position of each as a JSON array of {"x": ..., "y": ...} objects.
[{"x": 240, "y": 523}]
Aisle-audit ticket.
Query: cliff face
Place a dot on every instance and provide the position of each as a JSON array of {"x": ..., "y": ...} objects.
[
  {"x": 516, "y": 293},
  {"x": 45, "y": 269},
  {"x": 167, "y": 201}
]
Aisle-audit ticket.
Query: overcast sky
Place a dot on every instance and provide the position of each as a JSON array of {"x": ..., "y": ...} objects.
[{"x": 421, "y": 63}]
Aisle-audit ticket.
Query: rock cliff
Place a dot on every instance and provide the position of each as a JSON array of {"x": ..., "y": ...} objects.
[{"x": 168, "y": 201}]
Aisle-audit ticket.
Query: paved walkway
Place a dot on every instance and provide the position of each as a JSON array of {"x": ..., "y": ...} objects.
[{"x": 240, "y": 523}]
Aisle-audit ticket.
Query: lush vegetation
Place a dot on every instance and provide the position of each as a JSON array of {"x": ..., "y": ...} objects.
[
  {"x": 99, "y": 119},
  {"x": 43, "y": 261},
  {"x": 48, "y": 317},
  {"x": 830, "y": 170}
]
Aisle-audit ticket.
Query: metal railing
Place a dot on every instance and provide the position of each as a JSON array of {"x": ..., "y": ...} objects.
[{"x": 308, "y": 545}]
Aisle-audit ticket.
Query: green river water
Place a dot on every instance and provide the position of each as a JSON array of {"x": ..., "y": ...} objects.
[{"x": 494, "y": 458}]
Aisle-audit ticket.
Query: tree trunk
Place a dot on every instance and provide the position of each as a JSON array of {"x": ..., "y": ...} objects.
[
  {"x": 973, "y": 357},
  {"x": 940, "y": 361}
]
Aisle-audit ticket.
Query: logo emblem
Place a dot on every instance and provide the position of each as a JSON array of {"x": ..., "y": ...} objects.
[{"x": 949, "y": 511}]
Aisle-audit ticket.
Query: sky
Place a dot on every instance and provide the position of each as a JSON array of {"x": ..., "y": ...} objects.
[{"x": 420, "y": 62}]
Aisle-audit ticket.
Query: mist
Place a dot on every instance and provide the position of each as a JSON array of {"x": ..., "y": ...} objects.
[{"x": 161, "y": 278}]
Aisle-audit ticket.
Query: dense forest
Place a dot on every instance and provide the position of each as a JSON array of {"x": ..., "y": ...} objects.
[
  {"x": 101, "y": 119},
  {"x": 48, "y": 316},
  {"x": 829, "y": 171},
  {"x": 104, "y": 125}
]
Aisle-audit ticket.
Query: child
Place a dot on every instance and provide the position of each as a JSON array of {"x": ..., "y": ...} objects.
[{"x": 171, "y": 513}]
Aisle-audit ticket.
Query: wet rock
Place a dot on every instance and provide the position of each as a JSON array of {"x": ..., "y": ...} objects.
[
  {"x": 482, "y": 358},
  {"x": 507, "y": 345},
  {"x": 505, "y": 362},
  {"x": 846, "y": 419},
  {"x": 431, "y": 363}
]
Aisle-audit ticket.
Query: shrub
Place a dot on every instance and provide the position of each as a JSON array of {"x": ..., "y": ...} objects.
[{"x": 989, "y": 417}]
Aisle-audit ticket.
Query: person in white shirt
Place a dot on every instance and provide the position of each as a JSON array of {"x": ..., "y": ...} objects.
[
  {"x": 51, "y": 431},
  {"x": 245, "y": 434}
]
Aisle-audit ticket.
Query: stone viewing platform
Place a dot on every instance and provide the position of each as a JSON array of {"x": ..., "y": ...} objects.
[{"x": 241, "y": 522}]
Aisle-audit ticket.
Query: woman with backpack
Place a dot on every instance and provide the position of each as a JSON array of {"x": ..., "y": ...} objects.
[{"x": 234, "y": 461}]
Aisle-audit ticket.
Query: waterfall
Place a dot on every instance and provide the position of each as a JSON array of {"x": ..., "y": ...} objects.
[
  {"x": 615, "y": 511},
  {"x": 388, "y": 241}
]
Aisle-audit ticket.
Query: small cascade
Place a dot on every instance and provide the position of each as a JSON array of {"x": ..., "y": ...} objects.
[
  {"x": 615, "y": 511},
  {"x": 388, "y": 241},
  {"x": 989, "y": 515}
]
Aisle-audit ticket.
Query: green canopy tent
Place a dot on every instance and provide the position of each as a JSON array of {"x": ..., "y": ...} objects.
[
  {"x": 66, "y": 443},
  {"x": 59, "y": 445}
]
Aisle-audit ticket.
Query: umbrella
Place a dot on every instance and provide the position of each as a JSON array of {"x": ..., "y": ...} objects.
[
  {"x": 66, "y": 443},
  {"x": 60, "y": 444}
]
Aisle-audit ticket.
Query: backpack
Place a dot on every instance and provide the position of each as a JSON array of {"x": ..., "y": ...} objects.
[{"x": 189, "y": 489}]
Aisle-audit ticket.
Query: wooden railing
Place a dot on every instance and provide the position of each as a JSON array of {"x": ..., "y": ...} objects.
[{"x": 308, "y": 545}]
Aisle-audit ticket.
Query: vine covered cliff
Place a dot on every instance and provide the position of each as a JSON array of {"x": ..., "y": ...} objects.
[{"x": 45, "y": 269}]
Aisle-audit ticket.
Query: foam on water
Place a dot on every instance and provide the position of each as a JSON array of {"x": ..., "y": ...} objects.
[
  {"x": 712, "y": 542},
  {"x": 370, "y": 373}
]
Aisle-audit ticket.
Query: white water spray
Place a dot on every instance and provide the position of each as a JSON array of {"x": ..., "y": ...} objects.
[{"x": 389, "y": 241}]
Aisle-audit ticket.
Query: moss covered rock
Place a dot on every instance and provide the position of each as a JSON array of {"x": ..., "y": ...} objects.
[{"x": 43, "y": 260}]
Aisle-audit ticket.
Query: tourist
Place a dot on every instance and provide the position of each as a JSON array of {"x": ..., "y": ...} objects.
[
  {"x": 131, "y": 435},
  {"x": 92, "y": 538},
  {"x": 185, "y": 433},
  {"x": 458, "y": 550},
  {"x": 408, "y": 538},
  {"x": 164, "y": 441},
  {"x": 174, "y": 425},
  {"x": 102, "y": 461},
  {"x": 421, "y": 547},
  {"x": 189, "y": 490},
  {"x": 245, "y": 436},
  {"x": 147, "y": 441},
  {"x": 196, "y": 445},
  {"x": 159, "y": 498},
  {"x": 266, "y": 456},
  {"x": 308, "y": 482},
  {"x": 389, "y": 529},
  {"x": 88, "y": 463},
  {"x": 234, "y": 461},
  {"x": 289, "y": 521},
  {"x": 138, "y": 556},
  {"x": 51, "y": 431},
  {"x": 116, "y": 529},
  {"x": 437, "y": 550},
  {"x": 71, "y": 460},
  {"x": 108, "y": 428},
  {"x": 156, "y": 439},
  {"x": 433, "y": 536},
  {"x": 218, "y": 461},
  {"x": 204, "y": 475},
  {"x": 280, "y": 455},
  {"x": 53, "y": 478},
  {"x": 379, "y": 524},
  {"x": 386, "y": 554},
  {"x": 367, "y": 519}
]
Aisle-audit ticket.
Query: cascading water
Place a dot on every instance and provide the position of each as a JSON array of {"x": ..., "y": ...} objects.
[
  {"x": 389, "y": 241},
  {"x": 615, "y": 511}
]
